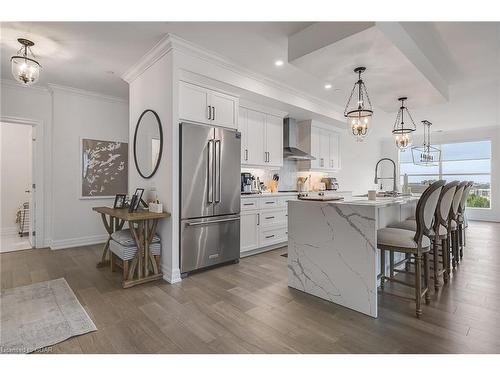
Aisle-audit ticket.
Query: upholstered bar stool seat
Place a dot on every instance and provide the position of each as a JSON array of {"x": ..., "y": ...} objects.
[
  {"x": 411, "y": 224},
  {"x": 400, "y": 238}
]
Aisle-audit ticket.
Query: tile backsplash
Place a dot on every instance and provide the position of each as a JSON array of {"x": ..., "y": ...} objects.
[{"x": 288, "y": 175}]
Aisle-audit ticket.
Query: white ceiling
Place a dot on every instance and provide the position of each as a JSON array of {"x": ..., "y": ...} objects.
[{"x": 93, "y": 56}]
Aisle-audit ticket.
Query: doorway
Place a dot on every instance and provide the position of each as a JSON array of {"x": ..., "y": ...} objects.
[{"x": 17, "y": 207}]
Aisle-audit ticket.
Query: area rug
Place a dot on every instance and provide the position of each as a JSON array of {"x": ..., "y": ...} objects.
[{"x": 35, "y": 316}]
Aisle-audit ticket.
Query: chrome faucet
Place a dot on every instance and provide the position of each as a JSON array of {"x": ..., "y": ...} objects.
[{"x": 394, "y": 188}]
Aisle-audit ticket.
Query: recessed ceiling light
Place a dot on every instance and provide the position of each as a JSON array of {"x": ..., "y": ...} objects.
[
  {"x": 328, "y": 86},
  {"x": 278, "y": 63}
]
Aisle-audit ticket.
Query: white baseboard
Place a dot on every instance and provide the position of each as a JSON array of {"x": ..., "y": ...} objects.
[
  {"x": 262, "y": 249},
  {"x": 171, "y": 276},
  {"x": 8, "y": 231},
  {"x": 79, "y": 241}
]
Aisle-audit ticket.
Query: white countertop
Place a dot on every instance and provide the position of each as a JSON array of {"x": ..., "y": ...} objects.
[
  {"x": 363, "y": 201},
  {"x": 292, "y": 193}
]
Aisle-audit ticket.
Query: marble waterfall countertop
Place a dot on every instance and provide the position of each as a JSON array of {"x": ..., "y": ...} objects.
[{"x": 332, "y": 247}]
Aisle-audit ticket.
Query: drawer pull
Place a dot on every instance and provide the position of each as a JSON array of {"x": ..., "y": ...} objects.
[
  {"x": 271, "y": 236},
  {"x": 269, "y": 202},
  {"x": 248, "y": 204},
  {"x": 270, "y": 217}
]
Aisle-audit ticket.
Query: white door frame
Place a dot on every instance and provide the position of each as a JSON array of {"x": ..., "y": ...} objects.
[{"x": 37, "y": 165}]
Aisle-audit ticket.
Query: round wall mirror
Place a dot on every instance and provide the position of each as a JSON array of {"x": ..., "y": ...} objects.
[{"x": 148, "y": 143}]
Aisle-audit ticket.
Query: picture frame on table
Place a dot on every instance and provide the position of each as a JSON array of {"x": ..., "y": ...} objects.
[
  {"x": 119, "y": 201},
  {"x": 133, "y": 203}
]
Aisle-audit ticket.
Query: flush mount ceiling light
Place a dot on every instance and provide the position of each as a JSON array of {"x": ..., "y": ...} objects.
[
  {"x": 402, "y": 130},
  {"x": 359, "y": 113},
  {"x": 278, "y": 63},
  {"x": 426, "y": 155},
  {"x": 328, "y": 86},
  {"x": 25, "y": 69}
]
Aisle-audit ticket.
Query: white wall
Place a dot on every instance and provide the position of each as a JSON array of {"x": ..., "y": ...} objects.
[
  {"x": 65, "y": 115},
  {"x": 76, "y": 116},
  {"x": 493, "y": 133},
  {"x": 153, "y": 90},
  {"x": 15, "y": 172}
]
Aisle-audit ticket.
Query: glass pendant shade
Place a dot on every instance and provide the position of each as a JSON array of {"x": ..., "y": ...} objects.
[
  {"x": 359, "y": 126},
  {"x": 403, "y": 127},
  {"x": 25, "y": 70},
  {"x": 403, "y": 141},
  {"x": 358, "y": 110}
]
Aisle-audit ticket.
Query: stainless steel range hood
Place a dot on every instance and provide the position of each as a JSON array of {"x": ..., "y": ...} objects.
[{"x": 290, "y": 149}]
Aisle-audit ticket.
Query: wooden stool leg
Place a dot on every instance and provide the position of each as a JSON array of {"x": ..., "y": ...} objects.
[
  {"x": 382, "y": 268},
  {"x": 455, "y": 247},
  {"x": 418, "y": 285},
  {"x": 436, "y": 263},
  {"x": 391, "y": 265},
  {"x": 446, "y": 261},
  {"x": 461, "y": 240},
  {"x": 125, "y": 269},
  {"x": 426, "y": 278},
  {"x": 453, "y": 259}
]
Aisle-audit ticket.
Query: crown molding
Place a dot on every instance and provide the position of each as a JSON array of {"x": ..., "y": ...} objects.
[
  {"x": 14, "y": 84},
  {"x": 173, "y": 42},
  {"x": 153, "y": 55},
  {"x": 93, "y": 94},
  {"x": 182, "y": 45},
  {"x": 51, "y": 87}
]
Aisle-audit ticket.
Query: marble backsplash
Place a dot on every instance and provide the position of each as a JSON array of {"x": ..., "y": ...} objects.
[{"x": 288, "y": 174}]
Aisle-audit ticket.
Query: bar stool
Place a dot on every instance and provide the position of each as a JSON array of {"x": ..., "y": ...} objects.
[
  {"x": 416, "y": 243},
  {"x": 439, "y": 233},
  {"x": 462, "y": 220},
  {"x": 454, "y": 227}
]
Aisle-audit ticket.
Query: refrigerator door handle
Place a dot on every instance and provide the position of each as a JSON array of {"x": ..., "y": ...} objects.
[
  {"x": 210, "y": 191},
  {"x": 217, "y": 171},
  {"x": 211, "y": 222}
]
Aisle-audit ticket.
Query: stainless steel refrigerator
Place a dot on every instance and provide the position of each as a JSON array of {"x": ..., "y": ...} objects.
[{"x": 209, "y": 196}]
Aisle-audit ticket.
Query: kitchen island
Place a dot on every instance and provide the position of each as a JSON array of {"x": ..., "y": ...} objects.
[{"x": 332, "y": 252}]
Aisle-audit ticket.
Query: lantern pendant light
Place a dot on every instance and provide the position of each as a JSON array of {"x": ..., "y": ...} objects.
[
  {"x": 25, "y": 69},
  {"x": 402, "y": 130},
  {"x": 426, "y": 155},
  {"x": 359, "y": 112}
]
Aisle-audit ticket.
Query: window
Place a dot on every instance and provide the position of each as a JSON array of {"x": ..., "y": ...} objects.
[{"x": 470, "y": 161}]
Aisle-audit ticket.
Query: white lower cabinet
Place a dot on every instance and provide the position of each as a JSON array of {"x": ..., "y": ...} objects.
[
  {"x": 249, "y": 230},
  {"x": 264, "y": 223}
]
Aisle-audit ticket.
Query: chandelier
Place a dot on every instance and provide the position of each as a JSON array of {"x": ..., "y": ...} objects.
[
  {"x": 25, "y": 69},
  {"x": 359, "y": 113},
  {"x": 426, "y": 155},
  {"x": 401, "y": 130}
]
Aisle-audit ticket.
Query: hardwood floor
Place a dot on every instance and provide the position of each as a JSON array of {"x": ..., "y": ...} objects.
[{"x": 248, "y": 308}]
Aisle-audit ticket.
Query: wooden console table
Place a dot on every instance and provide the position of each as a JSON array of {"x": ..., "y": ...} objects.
[{"x": 142, "y": 224}]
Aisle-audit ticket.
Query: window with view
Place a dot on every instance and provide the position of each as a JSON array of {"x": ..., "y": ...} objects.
[{"x": 470, "y": 161}]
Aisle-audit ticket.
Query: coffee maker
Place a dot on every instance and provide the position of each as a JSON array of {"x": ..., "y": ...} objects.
[{"x": 246, "y": 183}]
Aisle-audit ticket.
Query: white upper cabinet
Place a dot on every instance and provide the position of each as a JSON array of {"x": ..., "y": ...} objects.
[
  {"x": 274, "y": 140},
  {"x": 193, "y": 103},
  {"x": 261, "y": 138},
  {"x": 323, "y": 144},
  {"x": 207, "y": 106}
]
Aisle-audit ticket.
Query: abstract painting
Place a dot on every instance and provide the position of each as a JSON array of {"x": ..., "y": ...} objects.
[{"x": 104, "y": 168}]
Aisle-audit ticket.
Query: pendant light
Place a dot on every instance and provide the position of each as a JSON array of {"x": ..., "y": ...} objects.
[
  {"x": 25, "y": 68},
  {"x": 359, "y": 112},
  {"x": 402, "y": 130},
  {"x": 426, "y": 155}
]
